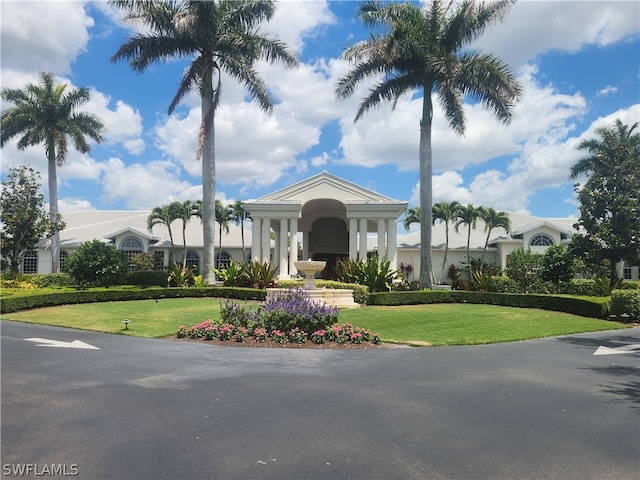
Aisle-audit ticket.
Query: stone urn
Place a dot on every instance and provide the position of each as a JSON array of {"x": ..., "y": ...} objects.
[{"x": 310, "y": 268}]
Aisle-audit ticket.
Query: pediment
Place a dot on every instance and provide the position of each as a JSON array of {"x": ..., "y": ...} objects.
[{"x": 325, "y": 185}]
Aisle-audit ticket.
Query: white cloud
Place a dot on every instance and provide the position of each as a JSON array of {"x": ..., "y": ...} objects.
[
  {"x": 606, "y": 91},
  {"x": 70, "y": 204},
  {"x": 45, "y": 35},
  {"x": 145, "y": 185}
]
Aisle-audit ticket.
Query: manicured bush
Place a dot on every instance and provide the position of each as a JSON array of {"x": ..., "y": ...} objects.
[
  {"x": 51, "y": 279},
  {"x": 625, "y": 305},
  {"x": 13, "y": 304},
  {"x": 502, "y": 284},
  {"x": 97, "y": 264},
  {"x": 152, "y": 278},
  {"x": 592, "y": 307},
  {"x": 630, "y": 285}
]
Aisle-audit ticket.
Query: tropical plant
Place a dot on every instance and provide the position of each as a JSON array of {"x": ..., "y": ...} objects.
[
  {"x": 523, "y": 267},
  {"x": 164, "y": 215},
  {"x": 233, "y": 275},
  {"x": 261, "y": 274},
  {"x": 410, "y": 217},
  {"x": 446, "y": 212},
  {"x": 46, "y": 113},
  {"x": 468, "y": 216},
  {"x": 493, "y": 219},
  {"x": 97, "y": 264},
  {"x": 23, "y": 216},
  {"x": 184, "y": 211},
  {"x": 427, "y": 49},
  {"x": 610, "y": 198},
  {"x": 557, "y": 265},
  {"x": 223, "y": 218},
  {"x": 238, "y": 217},
  {"x": 145, "y": 262},
  {"x": 221, "y": 37},
  {"x": 179, "y": 276},
  {"x": 373, "y": 273}
]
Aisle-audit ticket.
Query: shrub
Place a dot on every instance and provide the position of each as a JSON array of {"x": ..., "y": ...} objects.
[
  {"x": 97, "y": 264},
  {"x": 295, "y": 309},
  {"x": 261, "y": 274},
  {"x": 502, "y": 284},
  {"x": 153, "y": 278},
  {"x": 177, "y": 276},
  {"x": 626, "y": 302},
  {"x": 376, "y": 274},
  {"x": 523, "y": 267},
  {"x": 557, "y": 265},
  {"x": 233, "y": 275},
  {"x": 579, "y": 286},
  {"x": 43, "y": 280}
]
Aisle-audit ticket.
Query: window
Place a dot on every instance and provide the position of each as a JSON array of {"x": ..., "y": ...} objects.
[
  {"x": 541, "y": 240},
  {"x": 131, "y": 246},
  {"x": 223, "y": 259},
  {"x": 30, "y": 262},
  {"x": 159, "y": 258},
  {"x": 626, "y": 271},
  {"x": 193, "y": 260},
  {"x": 63, "y": 258}
]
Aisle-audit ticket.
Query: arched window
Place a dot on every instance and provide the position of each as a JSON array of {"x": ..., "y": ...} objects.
[
  {"x": 131, "y": 246},
  {"x": 223, "y": 259},
  {"x": 193, "y": 260},
  {"x": 541, "y": 240},
  {"x": 63, "y": 258},
  {"x": 30, "y": 262}
]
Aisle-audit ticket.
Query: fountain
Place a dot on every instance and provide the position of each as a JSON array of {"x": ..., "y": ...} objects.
[
  {"x": 310, "y": 268},
  {"x": 341, "y": 298}
]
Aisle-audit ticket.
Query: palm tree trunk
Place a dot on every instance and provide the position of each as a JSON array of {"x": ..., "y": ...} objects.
[
  {"x": 184, "y": 243},
  {"x": 208, "y": 182},
  {"x": 53, "y": 207},
  {"x": 446, "y": 250},
  {"x": 426, "y": 189}
]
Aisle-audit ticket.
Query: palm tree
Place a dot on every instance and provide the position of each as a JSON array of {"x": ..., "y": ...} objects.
[
  {"x": 469, "y": 216},
  {"x": 446, "y": 212},
  {"x": 45, "y": 113},
  {"x": 412, "y": 216},
  {"x": 184, "y": 211},
  {"x": 493, "y": 219},
  {"x": 238, "y": 216},
  {"x": 428, "y": 50},
  {"x": 164, "y": 215},
  {"x": 224, "y": 215},
  {"x": 219, "y": 37}
]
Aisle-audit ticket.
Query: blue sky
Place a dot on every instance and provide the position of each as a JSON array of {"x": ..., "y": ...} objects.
[{"x": 579, "y": 63}]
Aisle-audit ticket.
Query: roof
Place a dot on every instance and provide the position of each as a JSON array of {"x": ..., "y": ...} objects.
[
  {"x": 88, "y": 225},
  {"x": 520, "y": 223}
]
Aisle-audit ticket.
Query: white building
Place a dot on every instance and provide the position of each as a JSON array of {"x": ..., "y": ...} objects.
[{"x": 324, "y": 218}]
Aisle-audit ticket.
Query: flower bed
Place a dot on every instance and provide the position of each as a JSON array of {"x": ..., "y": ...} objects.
[{"x": 292, "y": 318}]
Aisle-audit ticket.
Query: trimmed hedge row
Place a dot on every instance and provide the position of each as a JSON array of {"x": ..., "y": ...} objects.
[
  {"x": 593, "y": 307},
  {"x": 625, "y": 305},
  {"x": 13, "y": 304}
]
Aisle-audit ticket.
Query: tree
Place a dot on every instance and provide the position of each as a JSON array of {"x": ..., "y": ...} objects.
[
  {"x": 446, "y": 212},
  {"x": 184, "y": 211},
  {"x": 493, "y": 219},
  {"x": 523, "y": 267},
  {"x": 428, "y": 50},
  {"x": 610, "y": 198},
  {"x": 557, "y": 265},
  {"x": 220, "y": 37},
  {"x": 412, "y": 216},
  {"x": 224, "y": 215},
  {"x": 23, "y": 216},
  {"x": 96, "y": 263},
  {"x": 469, "y": 216},
  {"x": 238, "y": 217},
  {"x": 46, "y": 113},
  {"x": 164, "y": 215}
]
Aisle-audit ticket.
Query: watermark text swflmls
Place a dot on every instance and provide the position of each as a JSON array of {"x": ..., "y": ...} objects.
[{"x": 40, "y": 470}]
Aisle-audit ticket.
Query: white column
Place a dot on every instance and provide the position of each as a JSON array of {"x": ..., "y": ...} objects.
[
  {"x": 353, "y": 239},
  {"x": 282, "y": 251},
  {"x": 256, "y": 236},
  {"x": 305, "y": 245},
  {"x": 382, "y": 246},
  {"x": 392, "y": 248},
  {"x": 363, "y": 239},
  {"x": 293, "y": 245},
  {"x": 266, "y": 243}
]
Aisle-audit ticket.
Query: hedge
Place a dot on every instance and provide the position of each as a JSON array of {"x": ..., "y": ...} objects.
[
  {"x": 13, "y": 304},
  {"x": 592, "y": 307},
  {"x": 626, "y": 302}
]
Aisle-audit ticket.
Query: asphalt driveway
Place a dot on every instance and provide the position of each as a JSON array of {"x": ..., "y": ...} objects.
[{"x": 134, "y": 408}]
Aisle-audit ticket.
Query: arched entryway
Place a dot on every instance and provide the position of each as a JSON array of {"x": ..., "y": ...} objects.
[{"x": 329, "y": 242}]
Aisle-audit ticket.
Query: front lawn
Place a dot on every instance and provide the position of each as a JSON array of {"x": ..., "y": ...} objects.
[{"x": 438, "y": 324}]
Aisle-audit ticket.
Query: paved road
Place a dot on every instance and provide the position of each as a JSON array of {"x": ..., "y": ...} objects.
[{"x": 168, "y": 409}]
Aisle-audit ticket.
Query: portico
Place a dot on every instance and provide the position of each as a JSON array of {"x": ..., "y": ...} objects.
[{"x": 334, "y": 217}]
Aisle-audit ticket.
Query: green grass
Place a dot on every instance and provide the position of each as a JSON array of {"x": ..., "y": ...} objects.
[
  {"x": 465, "y": 324},
  {"x": 148, "y": 318},
  {"x": 440, "y": 324}
]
